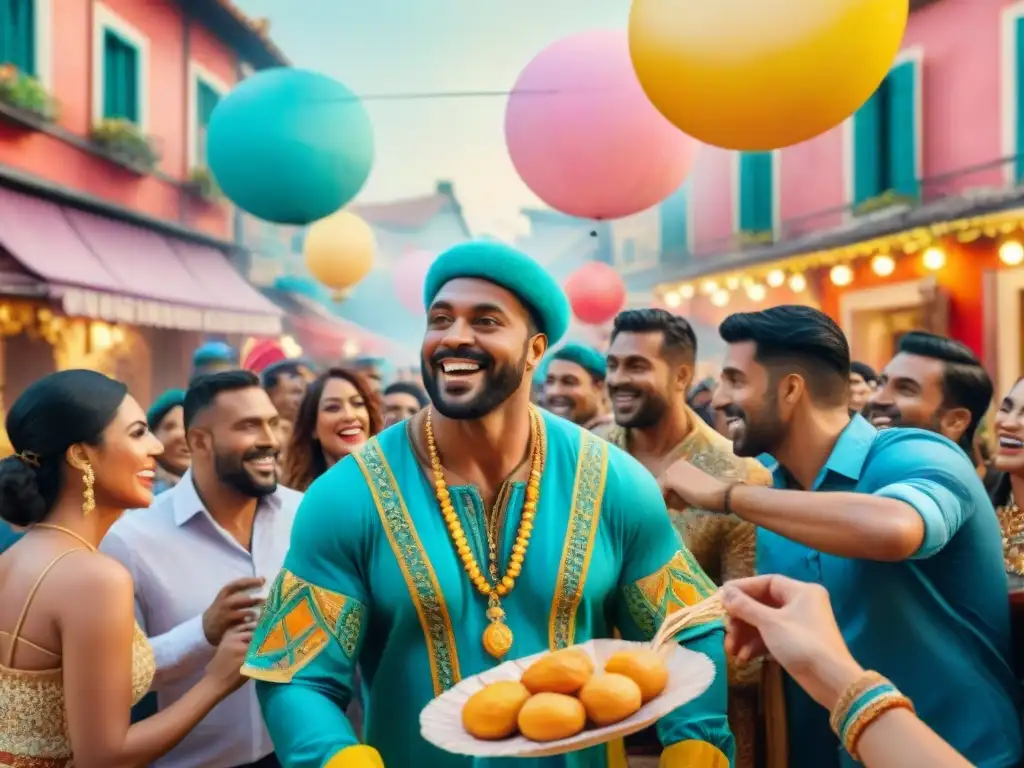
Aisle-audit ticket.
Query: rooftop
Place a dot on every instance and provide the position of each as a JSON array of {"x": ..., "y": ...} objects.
[{"x": 250, "y": 37}]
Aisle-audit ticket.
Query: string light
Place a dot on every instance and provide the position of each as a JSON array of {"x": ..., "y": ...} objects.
[
  {"x": 841, "y": 275},
  {"x": 797, "y": 283},
  {"x": 720, "y": 298},
  {"x": 686, "y": 291},
  {"x": 732, "y": 283},
  {"x": 673, "y": 299},
  {"x": 776, "y": 278},
  {"x": 756, "y": 292},
  {"x": 1011, "y": 253},
  {"x": 883, "y": 265},
  {"x": 933, "y": 258},
  {"x": 708, "y": 287}
]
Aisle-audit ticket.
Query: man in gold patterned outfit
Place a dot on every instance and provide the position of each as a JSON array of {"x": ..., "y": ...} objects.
[{"x": 650, "y": 367}]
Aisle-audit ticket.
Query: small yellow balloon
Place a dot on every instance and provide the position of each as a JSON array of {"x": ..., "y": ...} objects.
[
  {"x": 762, "y": 74},
  {"x": 339, "y": 250}
]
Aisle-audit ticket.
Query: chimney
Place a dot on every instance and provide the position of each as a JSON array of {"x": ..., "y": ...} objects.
[
  {"x": 261, "y": 25},
  {"x": 445, "y": 188}
]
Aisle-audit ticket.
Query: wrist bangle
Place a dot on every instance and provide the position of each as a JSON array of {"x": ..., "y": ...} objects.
[
  {"x": 727, "y": 498},
  {"x": 861, "y": 704}
]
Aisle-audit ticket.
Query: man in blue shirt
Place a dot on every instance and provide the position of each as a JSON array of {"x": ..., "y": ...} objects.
[{"x": 904, "y": 538}]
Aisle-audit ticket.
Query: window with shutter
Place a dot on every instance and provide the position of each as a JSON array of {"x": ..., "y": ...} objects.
[
  {"x": 885, "y": 137},
  {"x": 120, "y": 78},
  {"x": 675, "y": 225},
  {"x": 18, "y": 35},
  {"x": 206, "y": 101},
  {"x": 756, "y": 192},
  {"x": 1019, "y": 98}
]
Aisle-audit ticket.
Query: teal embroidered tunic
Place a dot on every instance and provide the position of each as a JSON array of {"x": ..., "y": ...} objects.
[{"x": 372, "y": 578}]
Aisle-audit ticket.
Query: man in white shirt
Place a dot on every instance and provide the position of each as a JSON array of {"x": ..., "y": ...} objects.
[{"x": 201, "y": 555}]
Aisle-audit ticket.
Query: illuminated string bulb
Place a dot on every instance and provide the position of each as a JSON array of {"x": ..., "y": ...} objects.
[
  {"x": 673, "y": 299},
  {"x": 732, "y": 283},
  {"x": 797, "y": 283},
  {"x": 756, "y": 292},
  {"x": 841, "y": 275},
  {"x": 933, "y": 258},
  {"x": 708, "y": 287},
  {"x": 775, "y": 278},
  {"x": 1011, "y": 253},
  {"x": 883, "y": 265},
  {"x": 686, "y": 292},
  {"x": 720, "y": 298}
]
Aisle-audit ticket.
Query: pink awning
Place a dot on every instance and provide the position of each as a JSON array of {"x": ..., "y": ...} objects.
[{"x": 121, "y": 272}]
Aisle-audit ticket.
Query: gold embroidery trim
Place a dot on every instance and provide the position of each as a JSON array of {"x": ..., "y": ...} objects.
[
  {"x": 588, "y": 493},
  {"x": 420, "y": 578},
  {"x": 677, "y": 584},
  {"x": 298, "y": 622}
]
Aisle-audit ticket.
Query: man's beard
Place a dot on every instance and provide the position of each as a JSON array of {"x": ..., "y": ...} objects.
[
  {"x": 758, "y": 434},
  {"x": 499, "y": 383},
  {"x": 230, "y": 469},
  {"x": 652, "y": 408}
]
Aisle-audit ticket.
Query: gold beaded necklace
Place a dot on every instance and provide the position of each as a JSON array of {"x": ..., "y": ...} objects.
[
  {"x": 1011, "y": 523},
  {"x": 497, "y": 638}
]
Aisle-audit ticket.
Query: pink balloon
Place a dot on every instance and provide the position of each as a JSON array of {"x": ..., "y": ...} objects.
[
  {"x": 596, "y": 293},
  {"x": 410, "y": 275},
  {"x": 585, "y": 138}
]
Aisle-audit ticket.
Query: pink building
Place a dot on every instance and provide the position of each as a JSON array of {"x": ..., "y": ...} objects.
[
  {"x": 114, "y": 247},
  {"x": 931, "y": 163}
]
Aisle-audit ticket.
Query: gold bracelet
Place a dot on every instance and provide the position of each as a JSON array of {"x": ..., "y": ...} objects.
[
  {"x": 869, "y": 679},
  {"x": 868, "y": 714}
]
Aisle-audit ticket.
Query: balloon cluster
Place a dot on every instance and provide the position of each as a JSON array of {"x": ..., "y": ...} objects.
[{"x": 605, "y": 124}]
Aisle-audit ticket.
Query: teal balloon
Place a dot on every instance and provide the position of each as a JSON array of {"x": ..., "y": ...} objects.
[{"x": 290, "y": 146}]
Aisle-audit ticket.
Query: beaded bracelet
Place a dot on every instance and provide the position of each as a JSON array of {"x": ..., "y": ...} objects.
[{"x": 861, "y": 704}]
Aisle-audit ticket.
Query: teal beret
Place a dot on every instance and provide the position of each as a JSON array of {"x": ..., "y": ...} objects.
[
  {"x": 214, "y": 352},
  {"x": 163, "y": 405},
  {"x": 588, "y": 358},
  {"x": 514, "y": 271}
]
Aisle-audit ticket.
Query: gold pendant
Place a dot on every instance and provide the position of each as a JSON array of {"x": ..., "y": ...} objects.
[{"x": 497, "y": 639}]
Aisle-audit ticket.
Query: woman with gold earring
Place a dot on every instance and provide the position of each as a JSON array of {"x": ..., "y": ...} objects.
[{"x": 72, "y": 659}]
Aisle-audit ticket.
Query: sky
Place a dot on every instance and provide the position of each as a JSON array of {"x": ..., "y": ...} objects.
[{"x": 380, "y": 47}]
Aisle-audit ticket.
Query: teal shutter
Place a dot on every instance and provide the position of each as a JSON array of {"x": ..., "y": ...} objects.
[
  {"x": 675, "y": 225},
  {"x": 1019, "y": 116},
  {"x": 755, "y": 180},
  {"x": 18, "y": 35},
  {"x": 902, "y": 129},
  {"x": 867, "y": 149},
  {"x": 207, "y": 100},
  {"x": 120, "y": 78}
]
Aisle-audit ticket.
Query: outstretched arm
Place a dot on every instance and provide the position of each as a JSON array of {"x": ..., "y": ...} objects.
[
  {"x": 660, "y": 576},
  {"x": 305, "y": 649}
]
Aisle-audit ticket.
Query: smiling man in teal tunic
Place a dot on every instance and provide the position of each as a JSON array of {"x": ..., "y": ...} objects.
[{"x": 478, "y": 530}]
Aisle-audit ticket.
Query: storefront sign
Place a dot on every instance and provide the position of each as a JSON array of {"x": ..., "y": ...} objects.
[{"x": 112, "y": 308}]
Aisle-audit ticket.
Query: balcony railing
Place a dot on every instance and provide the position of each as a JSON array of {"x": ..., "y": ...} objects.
[{"x": 986, "y": 187}]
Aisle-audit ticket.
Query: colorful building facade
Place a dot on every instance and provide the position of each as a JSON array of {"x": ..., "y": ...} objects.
[
  {"x": 115, "y": 247},
  {"x": 905, "y": 216}
]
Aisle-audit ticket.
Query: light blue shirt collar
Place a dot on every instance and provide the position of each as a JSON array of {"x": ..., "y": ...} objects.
[
  {"x": 847, "y": 457},
  {"x": 187, "y": 503}
]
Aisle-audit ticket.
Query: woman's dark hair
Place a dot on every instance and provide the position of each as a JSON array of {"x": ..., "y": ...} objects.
[
  {"x": 54, "y": 413},
  {"x": 304, "y": 460}
]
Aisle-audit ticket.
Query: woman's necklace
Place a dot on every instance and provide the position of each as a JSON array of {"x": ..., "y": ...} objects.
[
  {"x": 69, "y": 532},
  {"x": 497, "y": 638},
  {"x": 1011, "y": 523}
]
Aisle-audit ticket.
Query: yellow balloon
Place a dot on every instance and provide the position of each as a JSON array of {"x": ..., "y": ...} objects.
[
  {"x": 762, "y": 74},
  {"x": 339, "y": 250}
]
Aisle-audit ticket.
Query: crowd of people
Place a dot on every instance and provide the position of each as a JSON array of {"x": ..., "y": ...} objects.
[{"x": 284, "y": 568}]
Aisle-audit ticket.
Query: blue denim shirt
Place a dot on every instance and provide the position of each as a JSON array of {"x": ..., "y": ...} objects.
[{"x": 937, "y": 624}]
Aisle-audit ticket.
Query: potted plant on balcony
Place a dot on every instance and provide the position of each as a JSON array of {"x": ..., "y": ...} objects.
[
  {"x": 122, "y": 142},
  {"x": 202, "y": 185},
  {"x": 24, "y": 100}
]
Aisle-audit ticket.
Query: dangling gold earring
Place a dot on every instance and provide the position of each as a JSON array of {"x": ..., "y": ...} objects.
[{"x": 88, "y": 495}]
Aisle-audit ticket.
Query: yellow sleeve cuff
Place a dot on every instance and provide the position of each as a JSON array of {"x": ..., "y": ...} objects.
[
  {"x": 693, "y": 754},
  {"x": 358, "y": 756}
]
